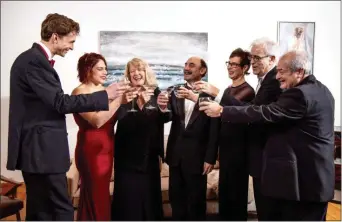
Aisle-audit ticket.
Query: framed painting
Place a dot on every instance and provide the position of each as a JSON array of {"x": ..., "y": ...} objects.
[
  {"x": 297, "y": 36},
  {"x": 165, "y": 52}
]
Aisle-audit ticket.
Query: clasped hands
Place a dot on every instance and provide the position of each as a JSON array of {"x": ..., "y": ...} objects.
[{"x": 182, "y": 93}]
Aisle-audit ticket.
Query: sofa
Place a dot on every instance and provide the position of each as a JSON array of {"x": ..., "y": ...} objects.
[{"x": 212, "y": 188}]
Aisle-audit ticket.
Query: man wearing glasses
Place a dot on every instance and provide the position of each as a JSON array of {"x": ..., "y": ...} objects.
[
  {"x": 264, "y": 55},
  {"x": 298, "y": 157}
]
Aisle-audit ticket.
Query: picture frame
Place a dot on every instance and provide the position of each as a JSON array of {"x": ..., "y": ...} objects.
[
  {"x": 297, "y": 36},
  {"x": 165, "y": 52}
]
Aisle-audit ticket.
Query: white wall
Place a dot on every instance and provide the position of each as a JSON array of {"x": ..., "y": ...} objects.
[{"x": 229, "y": 24}]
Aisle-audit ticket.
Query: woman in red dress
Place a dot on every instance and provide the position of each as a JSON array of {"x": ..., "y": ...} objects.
[{"x": 95, "y": 142}]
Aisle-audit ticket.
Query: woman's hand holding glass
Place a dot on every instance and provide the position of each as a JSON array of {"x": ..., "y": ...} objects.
[
  {"x": 147, "y": 94},
  {"x": 130, "y": 94}
]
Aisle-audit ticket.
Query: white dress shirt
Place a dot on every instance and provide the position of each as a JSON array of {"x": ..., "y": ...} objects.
[
  {"x": 188, "y": 108},
  {"x": 47, "y": 50},
  {"x": 260, "y": 79}
]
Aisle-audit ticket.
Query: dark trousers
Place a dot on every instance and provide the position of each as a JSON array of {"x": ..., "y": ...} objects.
[
  {"x": 261, "y": 201},
  {"x": 233, "y": 193},
  {"x": 47, "y": 197},
  {"x": 137, "y": 196},
  {"x": 187, "y": 193},
  {"x": 289, "y": 210}
]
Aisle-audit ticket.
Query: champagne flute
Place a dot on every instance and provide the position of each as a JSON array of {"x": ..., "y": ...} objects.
[
  {"x": 176, "y": 88},
  {"x": 146, "y": 87},
  {"x": 168, "y": 92},
  {"x": 132, "y": 110}
]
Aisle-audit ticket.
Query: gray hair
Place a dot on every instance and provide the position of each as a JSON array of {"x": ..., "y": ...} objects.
[
  {"x": 299, "y": 60},
  {"x": 271, "y": 48}
]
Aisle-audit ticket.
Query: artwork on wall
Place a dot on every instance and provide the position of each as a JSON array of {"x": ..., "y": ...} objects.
[
  {"x": 165, "y": 52},
  {"x": 297, "y": 36}
]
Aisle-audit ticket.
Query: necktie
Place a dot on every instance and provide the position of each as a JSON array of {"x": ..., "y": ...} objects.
[{"x": 52, "y": 62}]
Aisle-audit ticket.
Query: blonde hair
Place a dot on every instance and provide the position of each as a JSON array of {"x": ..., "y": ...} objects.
[{"x": 150, "y": 77}]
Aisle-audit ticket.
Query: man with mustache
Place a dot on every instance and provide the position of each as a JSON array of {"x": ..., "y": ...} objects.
[
  {"x": 192, "y": 146},
  {"x": 264, "y": 53}
]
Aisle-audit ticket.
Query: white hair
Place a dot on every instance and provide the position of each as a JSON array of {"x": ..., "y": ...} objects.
[
  {"x": 299, "y": 60},
  {"x": 270, "y": 47}
]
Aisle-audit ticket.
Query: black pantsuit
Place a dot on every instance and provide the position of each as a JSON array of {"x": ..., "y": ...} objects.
[
  {"x": 257, "y": 135},
  {"x": 137, "y": 195},
  {"x": 233, "y": 158},
  {"x": 139, "y": 145}
]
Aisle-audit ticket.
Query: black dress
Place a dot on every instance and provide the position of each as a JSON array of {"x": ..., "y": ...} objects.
[
  {"x": 138, "y": 145},
  {"x": 233, "y": 158}
]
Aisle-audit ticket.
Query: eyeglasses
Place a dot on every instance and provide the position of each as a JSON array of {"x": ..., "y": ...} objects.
[
  {"x": 256, "y": 58},
  {"x": 232, "y": 64}
]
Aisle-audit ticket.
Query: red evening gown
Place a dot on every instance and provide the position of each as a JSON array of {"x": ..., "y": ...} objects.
[{"x": 94, "y": 161}]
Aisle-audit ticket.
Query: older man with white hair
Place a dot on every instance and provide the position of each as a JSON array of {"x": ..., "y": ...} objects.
[
  {"x": 298, "y": 160},
  {"x": 264, "y": 57}
]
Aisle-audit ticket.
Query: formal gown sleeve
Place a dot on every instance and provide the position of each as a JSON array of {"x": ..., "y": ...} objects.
[
  {"x": 245, "y": 95},
  {"x": 48, "y": 89},
  {"x": 291, "y": 105}
]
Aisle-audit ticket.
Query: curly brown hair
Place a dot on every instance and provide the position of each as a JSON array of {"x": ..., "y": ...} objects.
[
  {"x": 86, "y": 63},
  {"x": 60, "y": 24}
]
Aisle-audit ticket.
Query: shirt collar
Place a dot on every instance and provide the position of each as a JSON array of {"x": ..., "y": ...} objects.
[
  {"x": 47, "y": 50},
  {"x": 263, "y": 77}
]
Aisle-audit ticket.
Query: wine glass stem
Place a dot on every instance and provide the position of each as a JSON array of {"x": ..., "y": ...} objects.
[{"x": 132, "y": 104}]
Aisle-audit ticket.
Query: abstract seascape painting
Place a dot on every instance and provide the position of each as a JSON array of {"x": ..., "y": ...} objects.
[{"x": 165, "y": 52}]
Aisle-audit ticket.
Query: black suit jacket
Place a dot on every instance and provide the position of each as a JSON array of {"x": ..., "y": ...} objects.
[
  {"x": 37, "y": 135},
  {"x": 298, "y": 161},
  {"x": 195, "y": 144},
  {"x": 257, "y": 133}
]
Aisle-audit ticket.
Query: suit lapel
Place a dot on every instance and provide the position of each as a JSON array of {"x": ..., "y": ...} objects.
[
  {"x": 269, "y": 76},
  {"x": 45, "y": 60},
  {"x": 180, "y": 108},
  {"x": 194, "y": 114}
]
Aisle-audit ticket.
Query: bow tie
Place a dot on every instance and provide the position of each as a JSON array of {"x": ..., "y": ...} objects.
[
  {"x": 52, "y": 62},
  {"x": 187, "y": 86}
]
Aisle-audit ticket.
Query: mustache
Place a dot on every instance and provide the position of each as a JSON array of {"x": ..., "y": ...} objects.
[{"x": 187, "y": 72}]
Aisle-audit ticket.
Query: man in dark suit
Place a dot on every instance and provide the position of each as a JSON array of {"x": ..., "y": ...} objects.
[
  {"x": 264, "y": 55},
  {"x": 298, "y": 160},
  {"x": 37, "y": 139},
  {"x": 192, "y": 147}
]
